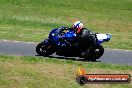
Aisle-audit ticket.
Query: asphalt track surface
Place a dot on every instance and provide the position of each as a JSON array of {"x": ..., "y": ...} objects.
[{"x": 115, "y": 56}]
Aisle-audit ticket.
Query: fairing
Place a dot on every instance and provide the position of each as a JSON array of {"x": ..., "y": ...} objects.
[{"x": 102, "y": 38}]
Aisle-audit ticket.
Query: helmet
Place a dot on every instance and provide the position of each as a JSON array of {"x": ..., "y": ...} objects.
[{"x": 78, "y": 25}]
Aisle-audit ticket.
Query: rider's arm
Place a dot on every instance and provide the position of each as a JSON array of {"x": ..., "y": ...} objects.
[
  {"x": 65, "y": 28},
  {"x": 62, "y": 29}
]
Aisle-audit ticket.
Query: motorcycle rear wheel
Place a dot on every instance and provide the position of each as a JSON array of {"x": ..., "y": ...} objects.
[{"x": 94, "y": 53}]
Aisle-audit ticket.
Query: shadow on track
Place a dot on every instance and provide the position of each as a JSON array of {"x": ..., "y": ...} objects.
[{"x": 68, "y": 58}]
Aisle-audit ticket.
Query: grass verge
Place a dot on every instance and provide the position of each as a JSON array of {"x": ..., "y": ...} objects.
[
  {"x": 31, "y": 20},
  {"x": 42, "y": 72}
]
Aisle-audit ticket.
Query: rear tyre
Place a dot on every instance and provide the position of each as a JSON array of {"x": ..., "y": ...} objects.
[
  {"x": 94, "y": 53},
  {"x": 44, "y": 50}
]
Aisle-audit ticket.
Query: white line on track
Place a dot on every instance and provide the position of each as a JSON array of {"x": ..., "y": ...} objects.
[
  {"x": 119, "y": 50},
  {"x": 17, "y": 41}
]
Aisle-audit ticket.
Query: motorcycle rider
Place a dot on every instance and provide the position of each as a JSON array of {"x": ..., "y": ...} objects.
[
  {"x": 77, "y": 27},
  {"x": 82, "y": 34}
]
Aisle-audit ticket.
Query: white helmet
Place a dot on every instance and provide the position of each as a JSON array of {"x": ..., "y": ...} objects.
[{"x": 77, "y": 25}]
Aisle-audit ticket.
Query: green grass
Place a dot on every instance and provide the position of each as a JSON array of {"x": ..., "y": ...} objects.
[
  {"x": 40, "y": 72},
  {"x": 31, "y": 20}
]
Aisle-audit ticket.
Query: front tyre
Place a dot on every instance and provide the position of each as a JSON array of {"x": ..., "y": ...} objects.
[{"x": 44, "y": 50}]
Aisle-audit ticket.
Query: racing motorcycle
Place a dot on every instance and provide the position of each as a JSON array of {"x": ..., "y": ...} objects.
[{"x": 67, "y": 44}]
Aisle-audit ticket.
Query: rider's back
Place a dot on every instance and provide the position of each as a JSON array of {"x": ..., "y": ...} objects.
[{"x": 86, "y": 38}]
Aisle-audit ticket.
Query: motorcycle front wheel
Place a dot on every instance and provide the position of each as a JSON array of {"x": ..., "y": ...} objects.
[{"x": 44, "y": 50}]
